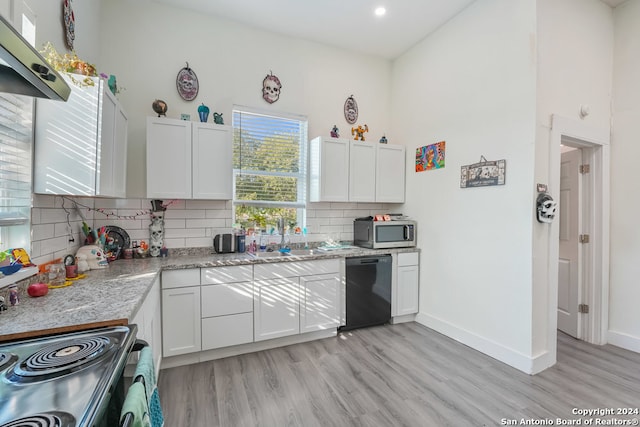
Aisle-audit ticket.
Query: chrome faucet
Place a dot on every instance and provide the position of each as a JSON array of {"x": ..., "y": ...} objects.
[{"x": 280, "y": 224}]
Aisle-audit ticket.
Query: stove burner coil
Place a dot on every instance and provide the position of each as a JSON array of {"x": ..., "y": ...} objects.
[
  {"x": 6, "y": 359},
  {"x": 64, "y": 356},
  {"x": 45, "y": 419}
]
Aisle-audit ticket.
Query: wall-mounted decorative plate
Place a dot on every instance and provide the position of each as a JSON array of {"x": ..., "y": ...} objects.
[
  {"x": 351, "y": 110},
  {"x": 187, "y": 83},
  {"x": 69, "y": 23}
]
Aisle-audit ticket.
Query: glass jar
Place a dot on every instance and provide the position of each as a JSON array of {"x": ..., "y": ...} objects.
[{"x": 57, "y": 274}]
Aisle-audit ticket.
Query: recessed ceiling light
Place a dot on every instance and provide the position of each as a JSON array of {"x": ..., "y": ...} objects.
[{"x": 380, "y": 11}]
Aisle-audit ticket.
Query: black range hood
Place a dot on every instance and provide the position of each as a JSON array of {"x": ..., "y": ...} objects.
[{"x": 24, "y": 71}]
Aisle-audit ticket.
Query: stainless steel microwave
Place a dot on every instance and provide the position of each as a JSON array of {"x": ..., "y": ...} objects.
[{"x": 368, "y": 233}]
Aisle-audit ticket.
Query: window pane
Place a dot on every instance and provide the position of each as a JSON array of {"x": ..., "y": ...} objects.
[
  {"x": 15, "y": 170},
  {"x": 266, "y": 188},
  {"x": 269, "y": 160}
]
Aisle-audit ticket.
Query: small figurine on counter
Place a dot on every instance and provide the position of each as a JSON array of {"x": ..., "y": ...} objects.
[
  {"x": 359, "y": 132},
  {"x": 217, "y": 118},
  {"x": 335, "y": 133},
  {"x": 383, "y": 140},
  {"x": 13, "y": 295}
]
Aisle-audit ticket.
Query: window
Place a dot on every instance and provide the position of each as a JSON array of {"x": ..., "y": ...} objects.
[
  {"x": 269, "y": 168},
  {"x": 16, "y": 135}
]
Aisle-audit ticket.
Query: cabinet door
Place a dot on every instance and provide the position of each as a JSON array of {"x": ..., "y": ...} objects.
[
  {"x": 212, "y": 161},
  {"x": 66, "y": 142},
  {"x": 153, "y": 324},
  {"x": 276, "y": 308},
  {"x": 120, "y": 155},
  {"x": 168, "y": 158},
  {"x": 106, "y": 143},
  {"x": 362, "y": 172},
  {"x": 181, "y": 321},
  {"x": 225, "y": 331},
  {"x": 229, "y": 298},
  {"x": 329, "y": 170},
  {"x": 390, "y": 173},
  {"x": 319, "y": 302},
  {"x": 408, "y": 288}
]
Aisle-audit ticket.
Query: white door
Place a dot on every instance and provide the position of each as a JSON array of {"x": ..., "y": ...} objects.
[{"x": 569, "y": 262}]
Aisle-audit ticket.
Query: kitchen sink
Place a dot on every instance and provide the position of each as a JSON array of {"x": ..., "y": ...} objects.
[
  {"x": 302, "y": 252},
  {"x": 274, "y": 254},
  {"x": 278, "y": 254}
]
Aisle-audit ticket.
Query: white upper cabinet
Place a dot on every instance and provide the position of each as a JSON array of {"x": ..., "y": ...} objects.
[
  {"x": 362, "y": 172},
  {"x": 188, "y": 160},
  {"x": 168, "y": 158},
  {"x": 81, "y": 145},
  {"x": 212, "y": 161},
  {"x": 329, "y": 170},
  {"x": 390, "y": 173},
  {"x": 343, "y": 170}
]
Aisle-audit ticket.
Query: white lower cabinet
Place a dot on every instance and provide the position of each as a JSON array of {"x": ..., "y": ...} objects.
[
  {"x": 227, "y": 306},
  {"x": 225, "y": 331},
  {"x": 181, "y": 320},
  {"x": 407, "y": 284},
  {"x": 149, "y": 322},
  {"x": 319, "y": 302},
  {"x": 211, "y": 308},
  {"x": 276, "y": 308}
]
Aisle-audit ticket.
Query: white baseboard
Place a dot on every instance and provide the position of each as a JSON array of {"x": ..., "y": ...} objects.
[
  {"x": 626, "y": 341},
  {"x": 498, "y": 351}
]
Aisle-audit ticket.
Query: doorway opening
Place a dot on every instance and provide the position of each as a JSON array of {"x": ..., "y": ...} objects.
[{"x": 579, "y": 245}]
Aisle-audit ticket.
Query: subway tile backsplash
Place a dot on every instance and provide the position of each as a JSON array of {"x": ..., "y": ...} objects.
[{"x": 56, "y": 223}]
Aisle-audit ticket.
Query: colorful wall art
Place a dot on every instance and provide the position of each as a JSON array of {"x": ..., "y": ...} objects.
[{"x": 430, "y": 157}]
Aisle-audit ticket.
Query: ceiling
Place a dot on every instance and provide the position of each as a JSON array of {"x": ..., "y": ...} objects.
[{"x": 350, "y": 24}]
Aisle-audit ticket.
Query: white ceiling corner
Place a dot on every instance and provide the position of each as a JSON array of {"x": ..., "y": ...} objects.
[{"x": 350, "y": 24}]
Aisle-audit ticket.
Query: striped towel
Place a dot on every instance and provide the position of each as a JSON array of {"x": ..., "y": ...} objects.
[{"x": 146, "y": 369}]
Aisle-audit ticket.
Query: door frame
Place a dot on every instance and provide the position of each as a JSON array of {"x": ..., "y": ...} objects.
[{"x": 596, "y": 291}]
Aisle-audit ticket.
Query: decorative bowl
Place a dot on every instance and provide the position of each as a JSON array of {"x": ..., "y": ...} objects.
[{"x": 10, "y": 269}]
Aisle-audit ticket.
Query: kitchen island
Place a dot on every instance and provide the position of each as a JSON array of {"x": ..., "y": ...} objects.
[{"x": 113, "y": 295}]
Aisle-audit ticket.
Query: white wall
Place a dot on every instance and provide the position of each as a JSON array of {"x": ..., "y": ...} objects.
[
  {"x": 624, "y": 316},
  {"x": 472, "y": 84},
  {"x": 145, "y": 44},
  {"x": 50, "y": 28},
  {"x": 575, "y": 58}
]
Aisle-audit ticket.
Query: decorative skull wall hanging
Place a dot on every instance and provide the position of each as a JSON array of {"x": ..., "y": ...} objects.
[
  {"x": 187, "y": 83},
  {"x": 545, "y": 208},
  {"x": 271, "y": 88}
]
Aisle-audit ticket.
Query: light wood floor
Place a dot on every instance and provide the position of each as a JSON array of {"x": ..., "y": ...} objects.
[{"x": 400, "y": 375}]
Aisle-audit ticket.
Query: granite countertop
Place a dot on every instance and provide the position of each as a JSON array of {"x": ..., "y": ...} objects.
[{"x": 113, "y": 295}]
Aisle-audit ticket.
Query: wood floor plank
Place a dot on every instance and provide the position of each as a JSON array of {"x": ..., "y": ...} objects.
[{"x": 394, "y": 375}]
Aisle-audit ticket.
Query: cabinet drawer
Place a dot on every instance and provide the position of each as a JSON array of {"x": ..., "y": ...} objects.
[
  {"x": 408, "y": 258},
  {"x": 180, "y": 278},
  {"x": 225, "y": 331},
  {"x": 219, "y": 275},
  {"x": 232, "y": 298},
  {"x": 295, "y": 269}
]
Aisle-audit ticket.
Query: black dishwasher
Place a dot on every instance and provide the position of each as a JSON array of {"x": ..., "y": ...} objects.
[{"x": 368, "y": 291}]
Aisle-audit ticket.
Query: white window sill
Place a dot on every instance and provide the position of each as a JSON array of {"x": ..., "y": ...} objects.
[{"x": 21, "y": 274}]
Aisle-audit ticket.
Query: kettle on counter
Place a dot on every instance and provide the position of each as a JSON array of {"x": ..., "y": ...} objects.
[{"x": 224, "y": 243}]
